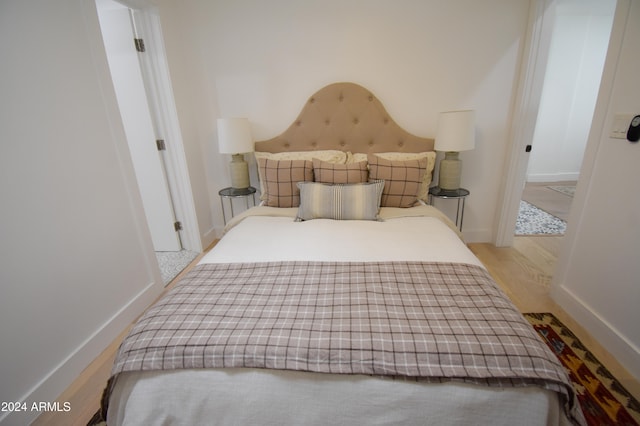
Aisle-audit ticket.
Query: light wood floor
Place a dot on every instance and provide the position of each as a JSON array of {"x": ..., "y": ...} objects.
[
  {"x": 523, "y": 271},
  {"x": 553, "y": 202}
]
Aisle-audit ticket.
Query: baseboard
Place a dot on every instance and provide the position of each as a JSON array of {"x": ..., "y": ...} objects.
[
  {"x": 552, "y": 177},
  {"x": 61, "y": 377},
  {"x": 477, "y": 236},
  {"x": 210, "y": 236},
  {"x": 615, "y": 342}
]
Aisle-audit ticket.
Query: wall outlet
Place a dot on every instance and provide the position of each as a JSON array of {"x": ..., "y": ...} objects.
[{"x": 620, "y": 126}]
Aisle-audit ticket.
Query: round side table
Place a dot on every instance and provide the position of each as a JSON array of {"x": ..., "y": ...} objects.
[
  {"x": 459, "y": 194},
  {"x": 231, "y": 193}
]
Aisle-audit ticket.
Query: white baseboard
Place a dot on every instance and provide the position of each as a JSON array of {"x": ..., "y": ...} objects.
[
  {"x": 61, "y": 377},
  {"x": 606, "y": 334},
  {"x": 552, "y": 177},
  {"x": 477, "y": 236},
  {"x": 209, "y": 236}
]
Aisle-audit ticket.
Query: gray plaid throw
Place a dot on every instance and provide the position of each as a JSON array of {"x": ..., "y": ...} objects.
[{"x": 425, "y": 321}]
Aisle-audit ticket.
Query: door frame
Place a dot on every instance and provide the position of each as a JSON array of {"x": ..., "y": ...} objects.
[
  {"x": 155, "y": 71},
  {"x": 525, "y": 115}
]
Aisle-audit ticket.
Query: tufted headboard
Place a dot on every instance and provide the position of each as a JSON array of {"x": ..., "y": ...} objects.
[{"x": 345, "y": 117}]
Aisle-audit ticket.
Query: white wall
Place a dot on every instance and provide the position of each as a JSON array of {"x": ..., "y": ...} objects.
[
  {"x": 598, "y": 281},
  {"x": 576, "y": 57},
  {"x": 76, "y": 260},
  {"x": 262, "y": 60}
]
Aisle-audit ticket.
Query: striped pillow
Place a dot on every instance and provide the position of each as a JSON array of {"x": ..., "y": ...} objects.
[
  {"x": 403, "y": 179},
  {"x": 358, "y": 201}
]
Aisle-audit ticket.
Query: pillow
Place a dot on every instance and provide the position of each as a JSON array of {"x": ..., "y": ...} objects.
[
  {"x": 280, "y": 179},
  {"x": 423, "y": 193},
  {"x": 328, "y": 155},
  {"x": 340, "y": 173},
  {"x": 402, "y": 179},
  {"x": 358, "y": 201}
]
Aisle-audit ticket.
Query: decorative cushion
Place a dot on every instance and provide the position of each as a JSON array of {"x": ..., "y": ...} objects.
[
  {"x": 402, "y": 179},
  {"x": 423, "y": 193},
  {"x": 328, "y": 155},
  {"x": 340, "y": 173},
  {"x": 280, "y": 179},
  {"x": 359, "y": 201}
]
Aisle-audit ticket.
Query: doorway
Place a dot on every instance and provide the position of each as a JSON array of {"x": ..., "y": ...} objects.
[
  {"x": 529, "y": 107},
  {"x": 577, "y": 51},
  {"x": 140, "y": 98}
]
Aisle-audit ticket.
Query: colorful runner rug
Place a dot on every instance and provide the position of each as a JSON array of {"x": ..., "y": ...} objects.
[{"x": 603, "y": 399}]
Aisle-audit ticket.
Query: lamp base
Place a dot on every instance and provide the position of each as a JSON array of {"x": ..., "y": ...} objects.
[
  {"x": 450, "y": 169},
  {"x": 239, "y": 172}
]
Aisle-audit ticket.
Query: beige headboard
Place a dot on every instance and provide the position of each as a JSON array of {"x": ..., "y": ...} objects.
[{"x": 346, "y": 117}]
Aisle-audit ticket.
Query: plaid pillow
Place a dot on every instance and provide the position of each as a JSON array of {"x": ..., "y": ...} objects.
[
  {"x": 326, "y": 172},
  {"x": 358, "y": 201},
  {"x": 280, "y": 179},
  {"x": 328, "y": 155},
  {"x": 402, "y": 179},
  {"x": 404, "y": 156}
]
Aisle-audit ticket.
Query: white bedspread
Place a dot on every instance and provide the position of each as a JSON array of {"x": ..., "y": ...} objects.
[
  {"x": 269, "y": 234},
  {"x": 272, "y": 397}
]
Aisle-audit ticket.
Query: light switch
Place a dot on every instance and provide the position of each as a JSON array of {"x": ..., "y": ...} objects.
[{"x": 620, "y": 126}]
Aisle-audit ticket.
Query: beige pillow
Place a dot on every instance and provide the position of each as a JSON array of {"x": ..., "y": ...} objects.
[
  {"x": 423, "y": 193},
  {"x": 325, "y": 172},
  {"x": 281, "y": 179},
  {"x": 328, "y": 155},
  {"x": 402, "y": 179}
]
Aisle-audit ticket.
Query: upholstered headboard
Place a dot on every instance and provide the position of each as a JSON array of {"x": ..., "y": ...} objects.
[{"x": 345, "y": 117}]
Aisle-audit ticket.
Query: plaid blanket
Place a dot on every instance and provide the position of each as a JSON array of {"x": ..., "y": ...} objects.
[{"x": 425, "y": 321}]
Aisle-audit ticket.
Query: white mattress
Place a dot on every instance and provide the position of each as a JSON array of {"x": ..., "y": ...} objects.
[{"x": 266, "y": 397}]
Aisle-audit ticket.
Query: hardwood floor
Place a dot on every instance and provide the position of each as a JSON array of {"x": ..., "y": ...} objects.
[
  {"x": 523, "y": 271},
  {"x": 553, "y": 202}
]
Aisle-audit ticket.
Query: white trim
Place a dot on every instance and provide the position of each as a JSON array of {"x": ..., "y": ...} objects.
[
  {"x": 58, "y": 378},
  {"x": 525, "y": 114},
  {"x": 476, "y": 235},
  {"x": 155, "y": 70},
  {"x": 626, "y": 352}
]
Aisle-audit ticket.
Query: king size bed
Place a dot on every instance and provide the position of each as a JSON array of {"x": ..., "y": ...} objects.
[{"x": 342, "y": 299}]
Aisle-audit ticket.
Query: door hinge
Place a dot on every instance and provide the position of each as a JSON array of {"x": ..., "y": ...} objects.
[
  {"x": 139, "y": 44},
  {"x": 161, "y": 145},
  {"x": 528, "y": 148},
  {"x": 178, "y": 226}
]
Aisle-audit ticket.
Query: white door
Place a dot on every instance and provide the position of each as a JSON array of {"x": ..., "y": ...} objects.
[{"x": 118, "y": 36}]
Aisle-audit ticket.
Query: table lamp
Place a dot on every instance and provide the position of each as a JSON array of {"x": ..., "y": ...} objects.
[
  {"x": 455, "y": 133},
  {"x": 234, "y": 137}
]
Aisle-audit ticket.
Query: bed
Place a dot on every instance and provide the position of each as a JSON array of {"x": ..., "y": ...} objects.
[{"x": 342, "y": 299}]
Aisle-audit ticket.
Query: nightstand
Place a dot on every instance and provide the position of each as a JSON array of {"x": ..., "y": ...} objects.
[
  {"x": 231, "y": 193},
  {"x": 459, "y": 194}
]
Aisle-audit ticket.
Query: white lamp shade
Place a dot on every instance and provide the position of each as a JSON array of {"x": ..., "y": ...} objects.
[
  {"x": 234, "y": 136},
  {"x": 456, "y": 131}
]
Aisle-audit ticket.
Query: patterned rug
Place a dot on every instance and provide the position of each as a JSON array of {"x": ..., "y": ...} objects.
[
  {"x": 173, "y": 262},
  {"x": 534, "y": 221},
  {"x": 569, "y": 190},
  {"x": 603, "y": 399}
]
